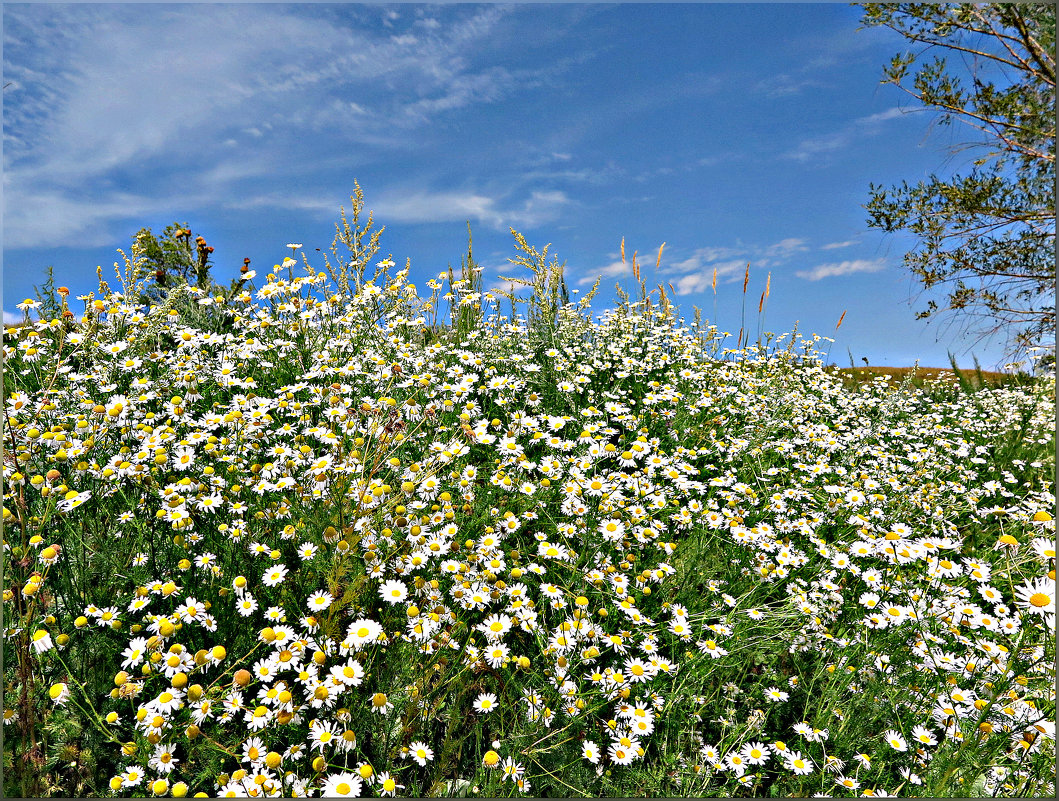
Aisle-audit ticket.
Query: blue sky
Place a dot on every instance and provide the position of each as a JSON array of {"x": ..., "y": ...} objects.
[{"x": 734, "y": 133}]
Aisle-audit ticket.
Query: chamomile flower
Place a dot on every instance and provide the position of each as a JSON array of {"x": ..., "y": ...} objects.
[
  {"x": 923, "y": 736},
  {"x": 711, "y": 648},
  {"x": 420, "y": 752},
  {"x": 42, "y": 641},
  {"x": 168, "y": 701},
  {"x": 386, "y": 784},
  {"x": 342, "y": 785},
  {"x": 380, "y": 704},
  {"x": 393, "y": 591},
  {"x": 755, "y": 753},
  {"x": 496, "y": 655},
  {"x": 590, "y": 751},
  {"x": 1036, "y": 596},
  {"x": 319, "y": 601},
  {"x": 495, "y": 626},
  {"x": 895, "y": 740},
  {"x": 847, "y": 782},
  {"x": 274, "y": 575},
  {"x": 798, "y": 764},
  {"x": 254, "y": 751},
  {"x": 621, "y": 754},
  {"x": 322, "y": 735},
  {"x": 163, "y": 759},
  {"x": 362, "y": 632}
]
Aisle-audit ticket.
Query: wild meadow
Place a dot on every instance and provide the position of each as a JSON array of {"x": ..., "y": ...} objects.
[{"x": 310, "y": 536}]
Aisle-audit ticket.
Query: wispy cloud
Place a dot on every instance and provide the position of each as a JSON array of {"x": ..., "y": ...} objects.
[
  {"x": 209, "y": 106},
  {"x": 781, "y": 251},
  {"x": 810, "y": 148},
  {"x": 701, "y": 280},
  {"x": 11, "y": 318},
  {"x": 730, "y": 260},
  {"x": 883, "y": 116},
  {"x": 616, "y": 268},
  {"x": 837, "y": 245},
  {"x": 494, "y": 211},
  {"x": 50, "y": 217},
  {"x": 785, "y": 85},
  {"x": 694, "y": 272},
  {"x": 842, "y": 268}
]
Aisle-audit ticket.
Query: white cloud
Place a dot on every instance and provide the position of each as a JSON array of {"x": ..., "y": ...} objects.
[
  {"x": 50, "y": 217},
  {"x": 614, "y": 269},
  {"x": 694, "y": 283},
  {"x": 781, "y": 251},
  {"x": 842, "y": 268},
  {"x": 808, "y": 149},
  {"x": 496, "y": 212},
  {"x": 12, "y": 318},
  {"x": 837, "y": 245},
  {"x": 694, "y": 273},
  {"x": 171, "y": 93},
  {"x": 282, "y": 200},
  {"x": 784, "y": 85},
  {"x": 883, "y": 116},
  {"x": 701, "y": 279},
  {"x": 730, "y": 262},
  {"x": 702, "y": 256}
]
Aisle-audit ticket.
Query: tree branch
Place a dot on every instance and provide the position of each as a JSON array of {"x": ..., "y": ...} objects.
[{"x": 1037, "y": 53}]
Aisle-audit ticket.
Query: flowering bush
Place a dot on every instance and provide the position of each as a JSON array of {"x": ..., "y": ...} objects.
[{"x": 310, "y": 543}]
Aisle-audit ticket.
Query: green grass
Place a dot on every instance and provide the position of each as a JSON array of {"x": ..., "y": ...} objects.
[{"x": 924, "y": 377}]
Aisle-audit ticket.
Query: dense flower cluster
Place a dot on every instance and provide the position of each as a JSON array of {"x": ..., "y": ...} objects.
[{"x": 320, "y": 554}]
